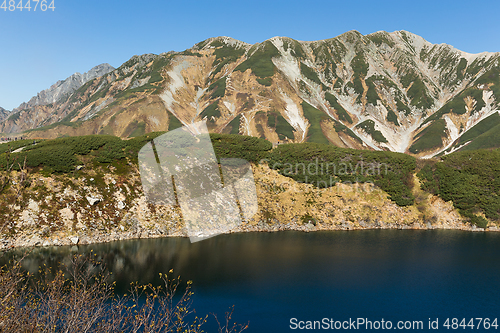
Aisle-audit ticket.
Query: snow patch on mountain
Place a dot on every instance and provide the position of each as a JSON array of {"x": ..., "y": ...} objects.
[
  {"x": 196, "y": 102},
  {"x": 452, "y": 128},
  {"x": 230, "y": 106},
  {"x": 176, "y": 82},
  {"x": 287, "y": 64},
  {"x": 292, "y": 112},
  {"x": 247, "y": 118}
]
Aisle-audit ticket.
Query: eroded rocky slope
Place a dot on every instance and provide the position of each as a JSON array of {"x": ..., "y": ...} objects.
[{"x": 390, "y": 91}]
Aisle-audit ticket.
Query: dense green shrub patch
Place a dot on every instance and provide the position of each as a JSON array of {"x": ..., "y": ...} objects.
[
  {"x": 13, "y": 145},
  {"x": 314, "y": 116},
  {"x": 14, "y": 117},
  {"x": 359, "y": 65},
  {"x": 309, "y": 73},
  {"x": 295, "y": 47},
  {"x": 225, "y": 54},
  {"x": 342, "y": 128},
  {"x": 157, "y": 67},
  {"x": 249, "y": 148},
  {"x": 369, "y": 127},
  {"x": 371, "y": 93},
  {"x": 341, "y": 112},
  {"x": 430, "y": 137},
  {"x": 211, "y": 111},
  {"x": 391, "y": 116},
  {"x": 234, "y": 125},
  {"x": 261, "y": 62},
  {"x": 402, "y": 107},
  {"x": 457, "y": 104},
  {"x": 485, "y": 134},
  {"x": 218, "y": 87},
  {"x": 173, "y": 122},
  {"x": 419, "y": 96},
  {"x": 470, "y": 180},
  {"x": 282, "y": 127},
  {"x": 381, "y": 37},
  {"x": 324, "y": 165},
  {"x": 488, "y": 139},
  {"x": 63, "y": 155},
  {"x": 265, "y": 82}
]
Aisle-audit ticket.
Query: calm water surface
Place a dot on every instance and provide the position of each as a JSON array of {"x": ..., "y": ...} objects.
[{"x": 272, "y": 277}]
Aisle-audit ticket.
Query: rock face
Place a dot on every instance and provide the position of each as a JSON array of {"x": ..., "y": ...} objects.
[
  {"x": 55, "y": 210},
  {"x": 4, "y": 114},
  {"x": 54, "y": 94},
  {"x": 390, "y": 91},
  {"x": 62, "y": 88}
]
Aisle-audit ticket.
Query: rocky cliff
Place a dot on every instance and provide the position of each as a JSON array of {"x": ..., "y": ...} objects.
[
  {"x": 94, "y": 207},
  {"x": 3, "y": 114}
]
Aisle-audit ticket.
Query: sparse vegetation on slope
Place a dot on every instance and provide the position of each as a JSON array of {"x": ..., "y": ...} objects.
[{"x": 324, "y": 165}]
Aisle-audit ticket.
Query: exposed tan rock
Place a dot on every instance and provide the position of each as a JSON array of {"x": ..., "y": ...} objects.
[{"x": 54, "y": 210}]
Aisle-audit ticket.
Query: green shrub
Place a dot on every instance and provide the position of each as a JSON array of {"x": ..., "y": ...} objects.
[
  {"x": 211, "y": 111},
  {"x": 218, "y": 87},
  {"x": 261, "y": 62},
  {"x": 341, "y": 112},
  {"x": 369, "y": 127},
  {"x": 469, "y": 179},
  {"x": 278, "y": 122},
  {"x": 265, "y": 82},
  {"x": 249, "y": 148},
  {"x": 13, "y": 145},
  {"x": 429, "y": 138},
  {"x": 173, "y": 122},
  {"x": 235, "y": 125},
  {"x": 309, "y": 73},
  {"x": 314, "y": 116},
  {"x": 391, "y": 116}
]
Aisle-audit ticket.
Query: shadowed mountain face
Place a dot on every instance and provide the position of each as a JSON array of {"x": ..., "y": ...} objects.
[
  {"x": 392, "y": 91},
  {"x": 3, "y": 113}
]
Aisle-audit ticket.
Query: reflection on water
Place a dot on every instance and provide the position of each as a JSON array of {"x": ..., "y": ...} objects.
[{"x": 271, "y": 277}]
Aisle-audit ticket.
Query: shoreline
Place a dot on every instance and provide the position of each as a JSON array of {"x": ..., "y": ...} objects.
[
  {"x": 102, "y": 238},
  {"x": 63, "y": 211}
]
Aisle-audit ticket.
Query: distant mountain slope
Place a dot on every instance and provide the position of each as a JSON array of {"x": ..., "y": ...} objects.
[
  {"x": 54, "y": 94},
  {"x": 391, "y": 91},
  {"x": 3, "y": 113}
]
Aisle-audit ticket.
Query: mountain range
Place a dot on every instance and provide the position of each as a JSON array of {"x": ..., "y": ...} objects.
[{"x": 383, "y": 91}]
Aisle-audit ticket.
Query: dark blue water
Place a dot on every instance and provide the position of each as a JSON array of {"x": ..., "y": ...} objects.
[{"x": 396, "y": 275}]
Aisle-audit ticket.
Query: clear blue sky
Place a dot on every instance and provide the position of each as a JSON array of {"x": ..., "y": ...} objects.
[{"x": 39, "y": 48}]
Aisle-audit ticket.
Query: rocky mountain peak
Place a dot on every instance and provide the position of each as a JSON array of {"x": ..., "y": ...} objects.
[
  {"x": 3, "y": 113},
  {"x": 62, "y": 88}
]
